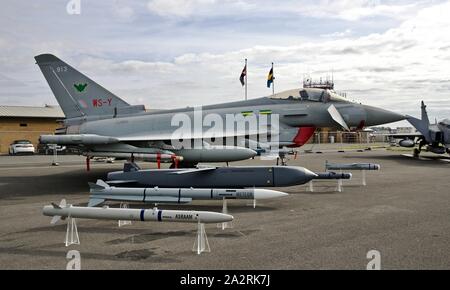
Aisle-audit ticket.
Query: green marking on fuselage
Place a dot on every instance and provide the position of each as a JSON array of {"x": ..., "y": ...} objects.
[
  {"x": 80, "y": 87},
  {"x": 265, "y": 112}
]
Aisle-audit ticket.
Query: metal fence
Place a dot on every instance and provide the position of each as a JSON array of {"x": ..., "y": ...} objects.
[{"x": 341, "y": 141}]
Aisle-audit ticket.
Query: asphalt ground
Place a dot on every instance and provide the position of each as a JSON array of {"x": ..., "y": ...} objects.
[{"x": 403, "y": 212}]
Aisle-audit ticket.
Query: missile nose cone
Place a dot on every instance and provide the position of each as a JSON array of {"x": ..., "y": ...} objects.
[
  {"x": 267, "y": 194},
  {"x": 250, "y": 153},
  {"x": 377, "y": 116},
  {"x": 214, "y": 217},
  {"x": 309, "y": 174}
]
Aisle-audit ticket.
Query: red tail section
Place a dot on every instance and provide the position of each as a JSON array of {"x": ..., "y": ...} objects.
[{"x": 303, "y": 135}]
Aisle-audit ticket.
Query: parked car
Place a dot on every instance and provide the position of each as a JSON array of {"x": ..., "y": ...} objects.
[{"x": 21, "y": 147}]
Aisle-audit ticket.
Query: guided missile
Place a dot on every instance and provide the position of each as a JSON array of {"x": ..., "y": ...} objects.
[
  {"x": 101, "y": 191},
  {"x": 212, "y": 177},
  {"x": 63, "y": 211},
  {"x": 351, "y": 166},
  {"x": 333, "y": 175},
  {"x": 148, "y": 157}
]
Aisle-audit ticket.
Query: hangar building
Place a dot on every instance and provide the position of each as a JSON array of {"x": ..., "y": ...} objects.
[{"x": 22, "y": 122}]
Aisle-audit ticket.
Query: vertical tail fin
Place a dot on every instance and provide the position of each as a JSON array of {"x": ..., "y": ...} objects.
[
  {"x": 422, "y": 125},
  {"x": 424, "y": 113},
  {"x": 77, "y": 94}
]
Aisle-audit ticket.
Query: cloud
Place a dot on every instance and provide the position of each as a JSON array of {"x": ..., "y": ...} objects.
[
  {"x": 181, "y": 8},
  {"x": 191, "y": 53},
  {"x": 349, "y": 10}
]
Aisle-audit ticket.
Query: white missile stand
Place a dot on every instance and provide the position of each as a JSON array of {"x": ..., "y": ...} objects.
[
  {"x": 72, "y": 237},
  {"x": 201, "y": 244},
  {"x": 339, "y": 183},
  {"x": 120, "y": 222},
  {"x": 55, "y": 155},
  {"x": 225, "y": 225},
  {"x": 310, "y": 187},
  {"x": 363, "y": 173}
]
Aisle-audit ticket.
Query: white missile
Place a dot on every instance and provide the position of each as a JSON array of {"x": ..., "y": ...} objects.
[
  {"x": 101, "y": 192},
  {"x": 63, "y": 211}
]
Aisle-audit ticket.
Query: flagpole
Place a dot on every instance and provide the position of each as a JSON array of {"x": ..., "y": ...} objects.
[
  {"x": 246, "y": 71},
  {"x": 273, "y": 82}
]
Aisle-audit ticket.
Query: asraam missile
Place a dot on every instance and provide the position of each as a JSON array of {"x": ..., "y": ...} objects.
[
  {"x": 212, "y": 177},
  {"x": 101, "y": 191},
  {"x": 333, "y": 175},
  {"x": 157, "y": 215},
  {"x": 351, "y": 166}
]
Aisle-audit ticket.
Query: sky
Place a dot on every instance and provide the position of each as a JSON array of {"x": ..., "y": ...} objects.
[{"x": 178, "y": 53}]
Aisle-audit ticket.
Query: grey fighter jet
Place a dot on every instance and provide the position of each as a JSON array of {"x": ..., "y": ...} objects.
[
  {"x": 436, "y": 137},
  {"x": 100, "y": 124}
]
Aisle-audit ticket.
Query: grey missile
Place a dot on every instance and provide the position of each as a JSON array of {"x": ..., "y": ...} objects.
[
  {"x": 149, "y": 157},
  {"x": 90, "y": 139},
  {"x": 333, "y": 175},
  {"x": 63, "y": 211},
  {"x": 212, "y": 177},
  {"x": 101, "y": 191},
  {"x": 351, "y": 166}
]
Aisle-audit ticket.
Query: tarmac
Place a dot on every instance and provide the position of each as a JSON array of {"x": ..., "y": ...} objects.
[{"x": 403, "y": 212}]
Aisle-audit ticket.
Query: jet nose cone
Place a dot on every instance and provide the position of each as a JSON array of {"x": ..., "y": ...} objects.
[
  {"x": 377, "y": 116},
  {"x": 267, "y": 194}
]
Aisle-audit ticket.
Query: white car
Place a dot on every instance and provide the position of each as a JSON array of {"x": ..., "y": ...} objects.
[{"x": 21, "y": 146}]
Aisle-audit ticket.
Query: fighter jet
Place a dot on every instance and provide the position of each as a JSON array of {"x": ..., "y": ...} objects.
[
  {"x": 100, "y": 124},
  {"x": 436, "y": 137}
]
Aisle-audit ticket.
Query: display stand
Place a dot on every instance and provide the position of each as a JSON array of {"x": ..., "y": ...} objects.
[
  {"x": 364, "y": 183},
  {"x": 201, "y": 244},
  {"x": 55, "y": 156},
  {"x": 339, "y": 183},
  {"x": 225, "y": 225},
  {"x": 310, "y": 187},
  {"x": 121, "y": 222},
  {"x": 72, "y": 237}
]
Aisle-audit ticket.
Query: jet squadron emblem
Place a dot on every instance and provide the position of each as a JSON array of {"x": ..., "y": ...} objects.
[{"x": 80, "y": 87}]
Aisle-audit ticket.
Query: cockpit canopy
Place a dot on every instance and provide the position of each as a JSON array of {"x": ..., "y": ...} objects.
[{"x": 310, "y": 94}]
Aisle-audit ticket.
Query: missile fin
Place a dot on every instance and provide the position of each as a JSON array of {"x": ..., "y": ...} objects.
[
  {"x": 95, "y": 201},
  {"x": 102, "y": 183},
  {"x": 55, "y": 219}
]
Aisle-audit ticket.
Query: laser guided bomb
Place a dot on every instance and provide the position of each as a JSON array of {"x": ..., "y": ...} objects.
[
  {"x": 101, "y": 191},
  {"x": 64, "y": 210}
]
